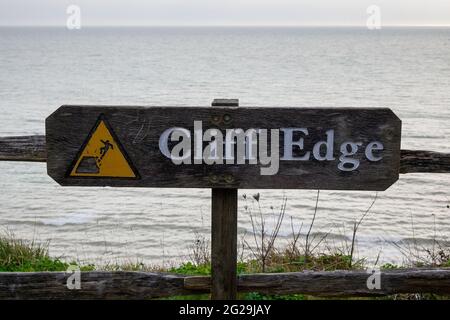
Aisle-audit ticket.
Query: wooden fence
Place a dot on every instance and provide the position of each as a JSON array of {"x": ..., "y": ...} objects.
[
  {"x": 140, "y": 285},
  {"x": 145, "y": 285}
]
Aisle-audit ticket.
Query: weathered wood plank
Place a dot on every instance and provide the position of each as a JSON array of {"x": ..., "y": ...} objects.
[
  {"x": 94, "y": 285},
  {"x": 142, "y": 285},
  {"x": 139, "y": 131},
  {"x": 337, "y": 283},
  {"x": 424, "y": 161},
  {"x": 225, "y": 103},
  {"x": 23, "y": 148},
  {"x": 224, "y": 243},
  {"x": 224, "y": 208}
]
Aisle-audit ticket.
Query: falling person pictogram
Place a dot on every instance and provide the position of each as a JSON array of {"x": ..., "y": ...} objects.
[{"x": 102, "y": 156}]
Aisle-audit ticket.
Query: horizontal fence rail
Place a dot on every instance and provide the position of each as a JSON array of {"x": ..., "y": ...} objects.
[
  {"x": 23, "y": 148},
  {"x": 146, "y": 285},
  {"x": 32, "y": 148}
]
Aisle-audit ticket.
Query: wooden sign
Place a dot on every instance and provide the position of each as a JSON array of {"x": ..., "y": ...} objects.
[{"x": 224, "y": 147}]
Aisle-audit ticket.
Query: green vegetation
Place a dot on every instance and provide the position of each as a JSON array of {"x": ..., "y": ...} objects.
[
  {"x": 18, "y": 255},
  {"x": 189, "y": 268},
  {"x": 21, "y": 256}
]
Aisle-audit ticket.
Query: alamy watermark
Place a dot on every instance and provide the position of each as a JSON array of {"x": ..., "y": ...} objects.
[
  {"x": 73, "y": 21},
  {"x": 374, "y": 280},
  {"x": 374, "y": 20},
  {"x": 74, "y": 280}
]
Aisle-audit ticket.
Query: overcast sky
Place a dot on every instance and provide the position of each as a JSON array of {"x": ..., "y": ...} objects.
[{"x": 225, "y": 12}]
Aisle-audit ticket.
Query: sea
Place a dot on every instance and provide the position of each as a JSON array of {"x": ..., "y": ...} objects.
[{"x": 405, "y": 69}]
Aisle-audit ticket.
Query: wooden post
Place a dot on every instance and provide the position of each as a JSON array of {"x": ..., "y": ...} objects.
[{"x": 224, "y": 235}]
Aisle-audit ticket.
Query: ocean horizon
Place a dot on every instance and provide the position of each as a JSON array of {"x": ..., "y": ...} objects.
[{"x": 403, "y": 68}]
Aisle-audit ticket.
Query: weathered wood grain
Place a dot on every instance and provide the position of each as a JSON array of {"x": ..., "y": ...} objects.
[
  {"x": 142, "y": 285},
  {"x": 224, "y": 208},
  {"x": 139, "y": 129},
  {"x": 224, "y": 243},
  {"x": 94, "y": 285},
  {"x": 23, "y": 148},
  {"x": 337, "y": 283},
  {"x": 424, "y": 161},
  {"x": 225, "y": 103}
]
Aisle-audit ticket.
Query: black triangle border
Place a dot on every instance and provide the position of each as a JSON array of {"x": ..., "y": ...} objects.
[{"x": 102, "y": 117}]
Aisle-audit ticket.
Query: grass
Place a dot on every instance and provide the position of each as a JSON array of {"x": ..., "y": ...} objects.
[{"x": 17, "y": 255}]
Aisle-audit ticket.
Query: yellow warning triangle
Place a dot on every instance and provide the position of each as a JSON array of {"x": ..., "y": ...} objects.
[{"x": 102, "y": 156}]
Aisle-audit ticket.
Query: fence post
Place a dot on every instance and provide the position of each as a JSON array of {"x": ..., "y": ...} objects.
[{"x": 224, "y": 235}]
